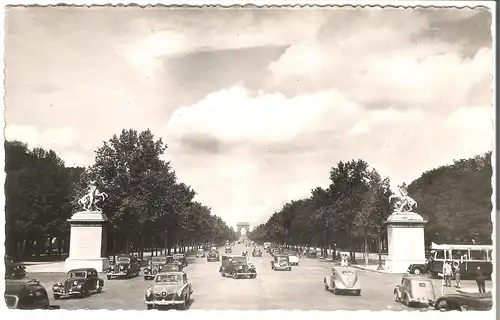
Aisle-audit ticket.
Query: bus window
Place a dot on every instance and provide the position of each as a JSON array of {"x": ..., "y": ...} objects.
[
  {"x": 481, "y": 255},
  {"x": 490, "y": 254},
  {"x": 457, "y": 254},
  {"x": 439, "y": 254}
]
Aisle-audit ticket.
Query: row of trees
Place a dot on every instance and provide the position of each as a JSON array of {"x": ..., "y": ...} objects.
[
  {"x": 350, "y": 213},
  {"x": 147, "y": 206}
]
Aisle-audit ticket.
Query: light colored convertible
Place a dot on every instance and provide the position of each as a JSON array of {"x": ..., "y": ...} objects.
[{"x": 343, "y": 279}]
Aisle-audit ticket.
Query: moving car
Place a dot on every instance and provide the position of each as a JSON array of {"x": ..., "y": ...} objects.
[
  {"x": 14, "y": 270},
  {"x": 343, "y": 279},
  {"x": 464, "y": 301},
  {"x": 213, "y": 256},
  {"x": 200, "y": 253},
  {"x": 293, "y": 257},
  {"x": 237, "y": 267},
  {"x": 26, "y": 294},
  {"x": 181, "y": 258},
  {"x": 228, "y": 249},
  {"x": 257, "y": 252},
  {"x": 78, "y": 282},
  {"x": 419, "y": 268},
  {"x": 281, "y": 262},
  {"x": 312, "y": 254},
  {"x": 169, "y": 289},
  {"x": 156, "y": 265},
  {"x": 125, "y": 266},
  {"x": 415, "y": 289}
]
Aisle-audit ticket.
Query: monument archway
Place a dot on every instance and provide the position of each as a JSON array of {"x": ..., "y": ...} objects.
[{"x": 242, "y": 228}]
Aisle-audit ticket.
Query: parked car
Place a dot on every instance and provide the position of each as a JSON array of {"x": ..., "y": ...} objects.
[
  {"x": 200, "y": 253},
  {"x": 14, "y": 270},
  {"x": 181, "y": 258},
  {"x": 465, "y": 301},
  {"x": 213, "y": 256},
  {"x": 415, "y": 290},
  {"x": 26, "y": 294},
  {"x": 169, "y": 289},
  {"x": 343, "y": 279},
  {"x": 257, "y": 252},
  {"x": 281, "y": 262},
  {"x": 228, "y": 249},
  {"x": 419, "y": 268},
  {"x": 293, "y": 257},
  {"x": 237, "y": 267},
  {"x": 125, "y": 266},
  {"x": 78, "y": 282},
  {"x": 156, "y": 265}
]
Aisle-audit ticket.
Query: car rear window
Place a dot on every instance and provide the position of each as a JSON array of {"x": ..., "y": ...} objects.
[{"x": 422, "y": 285}]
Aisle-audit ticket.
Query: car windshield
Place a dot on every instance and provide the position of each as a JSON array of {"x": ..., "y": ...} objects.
[
  {"x": 77, "y": 274},
  {"x": 157, "y": 260},
  {"x": 239, "y": 259},
  {"x": 168, "y": 278},
  {"x": 123, "y": 260}
]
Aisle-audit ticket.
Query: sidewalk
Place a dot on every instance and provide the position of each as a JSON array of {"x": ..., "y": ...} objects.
[{"x": 52, "y": 267}]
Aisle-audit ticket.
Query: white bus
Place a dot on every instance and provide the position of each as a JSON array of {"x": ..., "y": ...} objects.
[{"x": 467, "y": 257}]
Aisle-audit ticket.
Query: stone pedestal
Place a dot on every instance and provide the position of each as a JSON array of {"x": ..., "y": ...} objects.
[
  {"x": 87, "y": 241},
  {"x": 406, "y": 243}
]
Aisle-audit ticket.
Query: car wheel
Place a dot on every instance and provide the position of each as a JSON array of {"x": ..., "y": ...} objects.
[
  {"x": 149, "y": 306},
  {"x": 407, "y": 300},
  {"x": 289, "y": 269},
  {"x": 358, "y": 292},
  {"x": 235, "y": 276},
  {"x": 396, "y": 297},
  {"x": 417, "y": 271},
  {"x": 109, "y": 277},
  {"x": 99, "y": 288},
  {"x": 326, "y": 287},
  {"x": 335, "y": 291},
  {"x": 57, "y": 297}
]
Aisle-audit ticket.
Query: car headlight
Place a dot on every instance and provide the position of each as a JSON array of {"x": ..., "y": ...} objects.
[
  {"x": 59, "y": 284},
  {"x": 75, "y": 283}
]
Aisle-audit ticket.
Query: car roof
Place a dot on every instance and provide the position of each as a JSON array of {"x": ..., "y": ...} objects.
[
  {"x": 82, "y": 269},
  {"x": 179, "y": 273},
  {"x": 124, "y": 256},
  {"x": 415, "y": 277}
]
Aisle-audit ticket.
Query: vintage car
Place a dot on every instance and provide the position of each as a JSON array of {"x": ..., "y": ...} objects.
[
  {"x": 228, "y": 249},
  {"x": 415, "y": 290},
  {"x": 213, "y": 256},
  {"x": 343, "y": 279},
  {"x": 78, "y": 282},
  {"x": 293, "y": 257},
  {"x": 156, "y": 265},
  {"x": 124, "y": 266},
  {"x": 281, "y": 262},
  {"x": 465, "y": 301},
  {"x": 14, "y": 270},
  {"x": 419, "y": 268},
  {"x": 169, "y": 289},
  {"x": 312, "y": 254},
  {"x": 237, "y": 267},
  {"x": 257, "y": 252},
  {"x": 26, "y": 294},
  {"x": 200, "y": 253},
  {"x": 181, "y": 259}
]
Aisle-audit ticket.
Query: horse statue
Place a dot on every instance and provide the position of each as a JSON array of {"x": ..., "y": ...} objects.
[
  {"x": 93, "y": 196},
  {"x": 402, "y": 202}
]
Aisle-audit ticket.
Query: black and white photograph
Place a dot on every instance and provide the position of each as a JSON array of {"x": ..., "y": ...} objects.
[{"x": 245, "y": 157}]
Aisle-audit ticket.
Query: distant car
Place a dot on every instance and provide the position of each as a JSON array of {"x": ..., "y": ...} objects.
[
  {"x": 293, "y": 257},
  {"x": 465, "y": 302},
  {"x": 228, "y": 249},
  {"x": 312, "y": 254},
  {"x": 26, "y": 294},
  {"x": 415, "y": 290},
  {"x": 78, "y": 282},
  {"x": 200, "y": 253},
  {"x": 169, "y": 288},
  {"x": 281, "y": 262},
  {"x": 125, "y": 266},
  {"x": 213, "y": 256},
  {"x": 343, "y": 279},
  {"x": 237, "y": 267},
  {"x": 181, "y": 258},
  {"x": 419, "y": 268},
  {"x": 156, "y": 265},
  {"x": 257, "y": 252},
  {"x": 14, "y": 270}
]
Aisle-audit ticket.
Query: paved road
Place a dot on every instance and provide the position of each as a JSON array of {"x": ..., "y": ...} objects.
[{"x": 302, "y": 289}]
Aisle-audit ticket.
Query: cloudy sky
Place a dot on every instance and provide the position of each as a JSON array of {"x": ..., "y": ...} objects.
[{"x": 256, "y": 105}]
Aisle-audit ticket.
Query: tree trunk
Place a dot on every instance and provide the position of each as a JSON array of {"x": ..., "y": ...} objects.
[
  {"x": 380, "y": 266},
  {"x": 366, "y": 250}
]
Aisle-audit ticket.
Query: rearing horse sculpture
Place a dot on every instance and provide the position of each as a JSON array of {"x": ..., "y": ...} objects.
[
  {"x": 402, "y": 202},
  {"x": 89, "y": 201}
]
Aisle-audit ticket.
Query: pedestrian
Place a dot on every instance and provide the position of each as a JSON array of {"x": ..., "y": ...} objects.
[
  {"x": 480, "y": 280},
  {"x": 457, "y": 275},
  {"x": 447, "y": 273}
]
